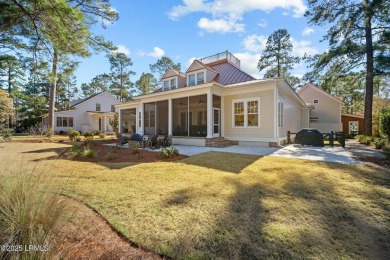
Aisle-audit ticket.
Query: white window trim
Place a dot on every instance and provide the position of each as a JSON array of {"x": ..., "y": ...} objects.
[
  {"x": 170, "y": 81},
  {"x": 246, "y": 100},
  {"x": 169, "y": 84},
  {"x": 195, "y": 73},
  {"x": 64, "y": 116},
  {"x": 281, "y": 114}
]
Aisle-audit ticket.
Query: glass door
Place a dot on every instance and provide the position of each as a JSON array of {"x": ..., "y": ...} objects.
[{"x": 216, "y": 122}]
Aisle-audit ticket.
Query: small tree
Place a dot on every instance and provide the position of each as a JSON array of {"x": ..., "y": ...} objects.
[
  {"x": 385, "y": 122},
  {"x": 115, "y": 123}
]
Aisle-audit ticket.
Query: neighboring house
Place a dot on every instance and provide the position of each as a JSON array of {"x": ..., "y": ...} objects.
[
  {"x": 325, "y": 115},
  {"x": 94, "y": 113},
  {"x": 352, "y": 124},
  {"x": 215, "y": 103}
]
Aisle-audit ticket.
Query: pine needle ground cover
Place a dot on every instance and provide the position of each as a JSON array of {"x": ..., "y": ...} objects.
[{"x": 218, "y": 205}]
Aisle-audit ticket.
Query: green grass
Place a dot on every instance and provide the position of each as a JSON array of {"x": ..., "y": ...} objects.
[{"x": 219, "y": 205}]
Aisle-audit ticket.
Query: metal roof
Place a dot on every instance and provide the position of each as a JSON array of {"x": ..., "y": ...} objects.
[{"x": 230, "y": 74}]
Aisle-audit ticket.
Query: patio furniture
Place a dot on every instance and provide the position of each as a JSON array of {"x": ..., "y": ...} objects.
[
  {"x": 138, "y": 138},
  {"x": 167, "y": 141},
  {"x": 154, "y": 143},
  {"x": 121, "y": 139}
]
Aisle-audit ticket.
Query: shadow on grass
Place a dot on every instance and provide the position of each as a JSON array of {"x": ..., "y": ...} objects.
[
  {"x": 303, "y": 218},
  {"x": 227, "y": 162}
]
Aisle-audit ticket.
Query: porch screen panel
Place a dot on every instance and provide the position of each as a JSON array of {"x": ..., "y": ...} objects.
[
  {"x": 216, "y": 101},
  {"x": 180, "y": 116},
  {"x": 162, "y": 117},
  {"x": 198, "y": 120},
  {"x": 150, "y": 119}
]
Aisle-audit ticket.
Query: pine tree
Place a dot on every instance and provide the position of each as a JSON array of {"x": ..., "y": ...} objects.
[
  {"x": 147, "y": 83},
  {"x": 162, "y": 65},
  {"x": 121, "y": 85}
]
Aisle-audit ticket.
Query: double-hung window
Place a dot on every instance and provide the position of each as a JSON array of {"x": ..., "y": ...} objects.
[
  {"x": 166, "y": 84},
  {"x": 191, "y": 80},
  {"x": 64, "y": 121},
  {"x": 173, "y": 84},
  {"x": 98, "y": 107},
  {"x": 280, "y": 114},
  {"x": 246, "y": 113},
  {"x": 199, "y": 78}
]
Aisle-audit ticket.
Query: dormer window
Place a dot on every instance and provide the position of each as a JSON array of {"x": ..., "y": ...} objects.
[
  {"x": 191, "y": 80},
  {"x": 199, "y": 78},
  {"x": 173, "y": 84},
  {"x": 166, "y": 84},
  {"x": 98, "y": 107}
]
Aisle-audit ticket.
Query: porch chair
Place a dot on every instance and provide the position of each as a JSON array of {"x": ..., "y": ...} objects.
[
  {"x": 167, "y": 141},
  {"x": 153, "y": 143},
  {"x": 138, "y": 138}
]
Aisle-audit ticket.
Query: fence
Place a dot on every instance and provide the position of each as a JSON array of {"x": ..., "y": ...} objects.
[{"x": 332, "y": 136}]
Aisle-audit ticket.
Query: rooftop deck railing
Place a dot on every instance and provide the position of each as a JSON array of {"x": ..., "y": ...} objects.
[{"x": 221, "y": 56}]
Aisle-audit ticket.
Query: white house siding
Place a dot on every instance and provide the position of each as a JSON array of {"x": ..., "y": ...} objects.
[
  {"x": 327, "y": 110},
  {"x": 292, "y": 116},
  {"x": 68, "y": 113},
  {"x": 264, "y": 133}
]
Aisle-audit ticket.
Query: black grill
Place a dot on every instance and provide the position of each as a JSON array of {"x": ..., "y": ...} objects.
[{"x": 309, "y": 137}]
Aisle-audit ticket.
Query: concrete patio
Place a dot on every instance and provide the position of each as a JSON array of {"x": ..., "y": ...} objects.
[{"x": 325, "y": 154}]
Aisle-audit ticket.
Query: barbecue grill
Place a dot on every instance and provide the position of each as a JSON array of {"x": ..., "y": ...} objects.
[{"x": 309, "y": 136}]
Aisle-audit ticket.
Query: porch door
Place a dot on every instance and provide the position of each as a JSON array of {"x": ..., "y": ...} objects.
[
  {"x": 216, "y": 122},
  {"x": 353, "y": 127},
  {"x": 100, "y": 123}
]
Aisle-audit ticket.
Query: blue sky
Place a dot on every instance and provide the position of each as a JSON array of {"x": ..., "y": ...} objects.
[{"x": 188, "y": 29}]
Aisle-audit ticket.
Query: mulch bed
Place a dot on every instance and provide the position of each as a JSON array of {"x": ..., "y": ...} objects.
[
  {"x": 104, "y": 153},
  {"x": 383, "y": 162}
]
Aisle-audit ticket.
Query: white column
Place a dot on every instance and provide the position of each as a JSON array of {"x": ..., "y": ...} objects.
[
  {"x": 209, "y": 114},
  {"x": 141, "y": 131},
  {"x": 170, "y": 116},
  {"x": 222, "y": 130}
]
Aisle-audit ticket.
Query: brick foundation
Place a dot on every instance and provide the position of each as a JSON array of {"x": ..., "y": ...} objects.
[{"x": 219, "y": 142}]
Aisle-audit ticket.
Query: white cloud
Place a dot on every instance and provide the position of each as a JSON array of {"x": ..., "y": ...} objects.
[
  {"x": 263, "y": 23},
  {"x": 302, "y": 47},
  {"x": 220, "y": 25},
  {"x": 157, "y": 53},
  {"x": 122, "y": 49},
  {"x": 249, "y": 63},
  {"x": 235, "y": 9},
  {"x": 255, "y": 43},
  {"x": 307, "y": 31},
  {"x": 190, "y": 61}
]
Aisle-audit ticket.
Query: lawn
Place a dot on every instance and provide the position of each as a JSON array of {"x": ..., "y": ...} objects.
[{"x": 218, "y": 205}]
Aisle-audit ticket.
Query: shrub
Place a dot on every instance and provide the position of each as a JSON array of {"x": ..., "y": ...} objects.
[
  {"x": 379, "y": 143},
  {"x": 89, "y": 143},
  {"x": 89, "y": 153},
  {"x": 386, "y": 152},
  {"x": 169, "y": 152},
  {"x": 76, "y": 150},
  {"x": 384, "y": 122},
  {"x": 111, "y": 156},
  {"x": 88, "y": 135},
  {"x": 102, "y": 135},
  {"x": 73, "y": 134},
  {"x": 6, "y": 134},
  {"x": 30, "y": 212},
  {"x": 134, "y": 146},
  {"x": 359, "y": 138},
  {"x": 78, "y": 138}
]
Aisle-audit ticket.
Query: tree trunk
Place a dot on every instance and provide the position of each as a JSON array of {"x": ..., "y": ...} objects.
[
  {"x": 369, "y": 77},
  {"x": 9, "y": 92},
  {"x": 53, "y": 89}
]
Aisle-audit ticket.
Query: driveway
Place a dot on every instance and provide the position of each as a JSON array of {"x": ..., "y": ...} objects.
[{"x": 327, "y": 153}]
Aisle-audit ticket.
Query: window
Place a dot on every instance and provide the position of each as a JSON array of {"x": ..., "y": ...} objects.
[
  {"x": 191, "y": 80},
  {"x": 166, "y": 84},
  {"x": 112, "y": 108},
  {"x": 280, "y": 114},
  {"x": 246, "y": 113},
  {"x": 173, "y": 83},
  {"x": 315, "y": 101},
  {"x": 253, "y": 113},
  {"x": 200, "y": 78},
  {"x": 64, "y": 121},
  {"x": 98, "y": 107},
  {"x": 239, "y": 114}
]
